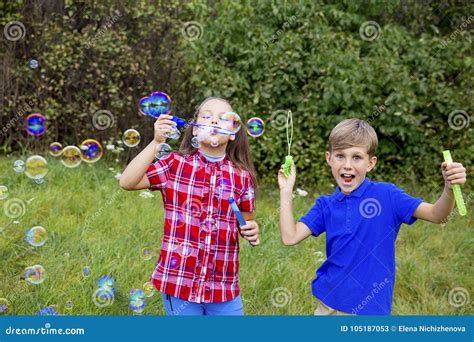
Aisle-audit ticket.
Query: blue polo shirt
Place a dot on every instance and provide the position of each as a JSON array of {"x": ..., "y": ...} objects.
[{"x": 358, "y": 275}]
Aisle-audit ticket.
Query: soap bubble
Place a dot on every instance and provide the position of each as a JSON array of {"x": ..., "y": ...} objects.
[
  {"x": 35, "y": 274},
  {"x": 195, "y": 142},
  {"x": 33, "y": 63},
  {"x": 155, "y": 104},
  {"x": 185, "y": 249},
  {"x": 48, "y": 311},
  {"x": 131, "y": 137},
  {"x": 106, "y": 282},
  {"x": 19, "y": 166},
  {"x": 36, "y": 236},
  {"x": 214, "y": 141},
  {"x": 86, "y": 271},
  {"x": 36, "y": 166},
  {"x": 255, "y": 127},
  {"x": 3, "y": 192},
  {"x": 148, "y": 289},
  {"x": 36, "y": 124},
  {"x": 137, "y": 300},
  {"x": 4, "y": 304},
  {"x": 230, "y": 123},
  {"x": 175, "y": 261},
  {"x": 69, "y": 305},
  {"x": 39, "y": 180},
  {"x": 55, "y": 149},
  {"x": 71, "y": 156},
  {"x": 147, "y": 253},
  {"x": 91, "y": 151},
  {"x": 162, "y": 150}
]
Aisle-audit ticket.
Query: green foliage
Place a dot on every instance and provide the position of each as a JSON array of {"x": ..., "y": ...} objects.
[{"x": 267, "y": 57}]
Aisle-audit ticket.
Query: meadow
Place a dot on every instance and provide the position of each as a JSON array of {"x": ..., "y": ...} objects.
[{"x": 91, "y": 221}]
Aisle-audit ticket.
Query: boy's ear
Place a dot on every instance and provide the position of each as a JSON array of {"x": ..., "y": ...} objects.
[
  {"x": 372, "y": 162},
  {"x": 328, "y": 157}
]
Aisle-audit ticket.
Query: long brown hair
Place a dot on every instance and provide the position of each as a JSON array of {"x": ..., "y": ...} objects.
[{"x": 237, "y": 150}]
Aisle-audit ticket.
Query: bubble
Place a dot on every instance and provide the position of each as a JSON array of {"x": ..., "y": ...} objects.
[
  {"x": 162, "y": 150},
  {"x": 39, "y": 180},
  {"x": 71, "y": 156},
  {"x": 3, "y": 192},
  {"x": 86, "y": 271},
  {"x": 91, "y": 151},
  {"x": 173, "y": 134},
  {"x": 131, "y": 137},
  {"x": 155, "y": 104},
  {"x": 36, "y": 166},
  {"x": 148, "y": 289},
  {"x": 55, "y": 149},
  {"x": 147, "y": 253},
  {"x": 36, "y": 236},
  {"x": 230, "y": 123},
  {"x": 19, "y": 166},
  {"x": 255, "y": 127},
  {"x": 69, "y": 305},
  {"x": 35, "y": 124},
  {"x": 106, "y": 282},
  {"x": 174, "y": 262},
  {"x": 195, "y": 142},
  {"x": 33, "y": 63},
  {"x": 185, "y": 249},
  {"x": 35, "y": 274},
  {"x": 137, "y": 300},
  {"x": 4, "y": 304},
  {"x": 48, "y": 311}
]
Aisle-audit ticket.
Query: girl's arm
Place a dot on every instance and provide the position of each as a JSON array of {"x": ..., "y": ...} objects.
[{"x": 134, "y": 176}]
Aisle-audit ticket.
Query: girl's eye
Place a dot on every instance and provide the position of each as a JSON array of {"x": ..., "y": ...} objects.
[{"x": 206, "y": 116}]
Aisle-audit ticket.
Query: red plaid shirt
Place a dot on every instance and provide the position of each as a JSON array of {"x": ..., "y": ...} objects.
[{"x": 199, "y": 258}]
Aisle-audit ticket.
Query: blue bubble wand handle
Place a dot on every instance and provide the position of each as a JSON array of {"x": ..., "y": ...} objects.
[{"x": 238, "y": 214}]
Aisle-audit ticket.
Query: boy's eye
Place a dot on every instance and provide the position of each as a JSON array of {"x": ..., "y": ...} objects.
[
  {"x": 339, "y": 156},
  {"x": 357, "y": 157}
]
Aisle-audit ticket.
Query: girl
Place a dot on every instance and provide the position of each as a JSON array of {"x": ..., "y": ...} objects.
[{"x": 199, "y": 260}]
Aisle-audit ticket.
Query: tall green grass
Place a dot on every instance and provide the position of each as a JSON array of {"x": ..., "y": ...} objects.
[{"x": 275, "y": 280}]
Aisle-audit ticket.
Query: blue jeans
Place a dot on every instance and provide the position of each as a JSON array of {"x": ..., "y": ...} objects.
[{"x": 178, "y": 307}]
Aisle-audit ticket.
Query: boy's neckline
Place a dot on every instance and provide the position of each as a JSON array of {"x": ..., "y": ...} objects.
[{"x": 356, "y": 193}]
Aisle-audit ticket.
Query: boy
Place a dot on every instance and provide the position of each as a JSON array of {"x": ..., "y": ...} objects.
[{"x": 361, "y": 220}]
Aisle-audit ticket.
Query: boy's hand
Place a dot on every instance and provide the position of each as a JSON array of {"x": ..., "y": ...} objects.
[
  {"x": 250, "y": 232},
  {"x": 453, "y": 173},
  {"x": 287, "y": 184},
  {"x": 163, "y": 126}
]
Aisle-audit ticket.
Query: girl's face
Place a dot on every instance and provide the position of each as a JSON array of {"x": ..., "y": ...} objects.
[{"x": 210, "y": 116}]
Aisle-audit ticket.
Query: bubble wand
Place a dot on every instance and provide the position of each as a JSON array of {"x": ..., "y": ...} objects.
[
  {"x": 289, "y": 140},
  {"x": 456, "y": 187}
]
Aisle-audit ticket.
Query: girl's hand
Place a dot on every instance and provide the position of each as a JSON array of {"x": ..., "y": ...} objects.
[
  {"x": 453, "y": 173},
  {"x": 163, "y": 126},
  {"x": 287, "y": 184},
  {"x": 250, "y": 232}
]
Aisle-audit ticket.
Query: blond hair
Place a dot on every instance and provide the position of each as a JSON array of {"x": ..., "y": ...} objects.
[{"x": 353, "y": 132}]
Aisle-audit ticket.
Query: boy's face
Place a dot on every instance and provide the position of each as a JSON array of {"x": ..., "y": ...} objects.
[
  {"x": 349, "y": 167},
  {"x": 210, "y": 115}
]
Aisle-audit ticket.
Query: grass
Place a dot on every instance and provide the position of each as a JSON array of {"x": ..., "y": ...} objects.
[{"x": 431, "y": 259}]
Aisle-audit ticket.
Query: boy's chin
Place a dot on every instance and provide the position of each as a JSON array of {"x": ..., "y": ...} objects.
[{"x": 348, "y": 188}]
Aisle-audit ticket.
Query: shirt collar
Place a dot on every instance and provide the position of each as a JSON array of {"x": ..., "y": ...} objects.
[
  {"x": 205, "y": 161},
  {"x": 356, "y": 193}
]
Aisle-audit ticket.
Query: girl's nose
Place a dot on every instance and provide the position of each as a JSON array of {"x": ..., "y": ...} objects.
[{"x": 214, "y": 122}]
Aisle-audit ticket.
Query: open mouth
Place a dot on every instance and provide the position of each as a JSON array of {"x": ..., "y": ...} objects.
[{"x": 347, "y": 178}]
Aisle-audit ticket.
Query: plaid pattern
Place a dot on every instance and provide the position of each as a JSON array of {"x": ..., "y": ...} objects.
[{"x": 199, "y": 258}]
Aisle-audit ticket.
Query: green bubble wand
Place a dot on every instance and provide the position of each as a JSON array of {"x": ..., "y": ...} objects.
[
  {"x": 456, "y": 187},
  {"x": 289, "y": 140}
]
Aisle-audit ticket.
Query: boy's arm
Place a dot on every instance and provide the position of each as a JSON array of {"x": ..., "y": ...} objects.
[
  {"x": 453, "y": 173},
  {"x": 134, "y": 176},
  {"x": 291, "y": 233}
]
